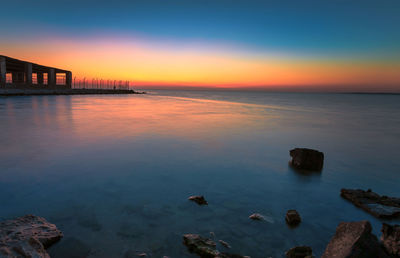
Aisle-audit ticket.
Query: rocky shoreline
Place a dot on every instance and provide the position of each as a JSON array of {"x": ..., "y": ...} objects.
[
  {"x": 379, "y": 206},
  {"x": 30, "y": 236}
]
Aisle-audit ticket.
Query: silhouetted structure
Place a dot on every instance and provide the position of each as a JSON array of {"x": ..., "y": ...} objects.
[{"x": 19, "y": 74}]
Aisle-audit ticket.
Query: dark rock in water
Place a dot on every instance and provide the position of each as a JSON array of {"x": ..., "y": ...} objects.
[
  {"x": 256, "y": 216},
  {"x": 293, "y": 218},
  {"x": 379, "y": 206},
  {"x": 391, "y": 239},
  {"x": 198, "y": 199},
  {"x": 307, "y": 159},
  {"x": 354, "y": 240},
  {"x": 202, "y": 246},
  {"x": 299, "y": 252},
  {"x": 27, "y": 236}
]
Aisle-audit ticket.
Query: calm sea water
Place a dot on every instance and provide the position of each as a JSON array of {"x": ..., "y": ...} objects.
[{"x": 114, "y": 172}]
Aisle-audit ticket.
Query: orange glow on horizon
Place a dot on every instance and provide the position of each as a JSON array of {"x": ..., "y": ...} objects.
[{"x": 149, "y": 65}]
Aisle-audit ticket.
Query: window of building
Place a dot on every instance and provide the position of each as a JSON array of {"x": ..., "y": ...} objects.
[
  {"x": 60, "y": 78},
  {"x": 8, "y": 77},
  {"x": 34, "y": 78},
  {"x": 45, "y": 78}
]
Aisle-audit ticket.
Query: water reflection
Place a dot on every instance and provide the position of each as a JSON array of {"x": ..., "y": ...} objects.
[{"x": 114, "y": 172}]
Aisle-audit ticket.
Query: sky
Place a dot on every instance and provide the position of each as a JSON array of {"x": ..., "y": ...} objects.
[{"x": 300, "y": 45}]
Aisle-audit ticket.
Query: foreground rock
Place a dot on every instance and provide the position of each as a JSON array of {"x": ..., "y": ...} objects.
[
  {"x": 300, "y": 252},
  {"x": 27, "y": 236},
  {"x": 292, "y": 218},
  {"x": 354, "y": 240},
  {"x": 204, "y": 247},
  {"x": 391, "y": 239},
  {"x": 307, "y": 159},
  {"x": 379, "y": 206},
  {"x": 200, "y": 200}
]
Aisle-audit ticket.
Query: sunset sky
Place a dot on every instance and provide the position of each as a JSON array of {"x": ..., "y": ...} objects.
[{"x": 318, "y": 45}]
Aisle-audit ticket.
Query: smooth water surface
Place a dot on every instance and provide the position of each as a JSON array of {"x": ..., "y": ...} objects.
[{"x": 114, "y": 172}]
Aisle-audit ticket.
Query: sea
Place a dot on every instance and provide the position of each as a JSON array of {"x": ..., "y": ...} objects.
[{"x": 114, "y": 172}]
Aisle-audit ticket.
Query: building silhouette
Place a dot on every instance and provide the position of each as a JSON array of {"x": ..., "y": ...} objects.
[{"x": 20, "y": 74}]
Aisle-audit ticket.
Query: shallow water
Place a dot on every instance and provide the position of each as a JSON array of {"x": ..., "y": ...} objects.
[{"x": 114, "y": 172}]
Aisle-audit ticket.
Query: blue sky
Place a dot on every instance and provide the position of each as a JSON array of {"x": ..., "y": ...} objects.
[{"x": 319, "y": 26}]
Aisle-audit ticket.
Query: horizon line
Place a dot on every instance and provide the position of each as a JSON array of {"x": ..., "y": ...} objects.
[{"x": 258, "y": 89}]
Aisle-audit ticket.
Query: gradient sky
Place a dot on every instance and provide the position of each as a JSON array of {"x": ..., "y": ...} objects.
[{"x": 320, "y": 45}]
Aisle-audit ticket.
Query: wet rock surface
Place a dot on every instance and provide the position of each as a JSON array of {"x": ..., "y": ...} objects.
[
  {"x": 292, "y": 218},
  {"x": 307, "y": 159},
  {"x": 377, "y": 205},
  {"x": 200, "y": 200},
  {"x": 299, "y": 252},
  {"x": 27, "y": 236},
  {"x": 354, "y": 239},
  {"x": 391, "y": 239}
]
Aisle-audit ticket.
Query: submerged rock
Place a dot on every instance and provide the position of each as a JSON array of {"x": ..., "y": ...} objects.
[
  {"x": 228, "y": 255},
  {"x": 223, "y": 243},
  {"x": 212, "y": 235},
  {"x": 293, "y": 218},
  {"x": 308, "y": 159},
  {"x": 89, "y": 221},
  {"x": 205, "y": 248},
  {"x": 200, "y": 200},
  {"x": 27, "y": 236},
  {"x": 354, "y": 240},
  {"x": 391, "y": 238},
  {"x": 256, "y": 216},
  {"x": 379, "y": 206},
  {"x": 299, "y": 252},
  {"x": 70, "y": 247},
  {"x": 202, "y": 246}
]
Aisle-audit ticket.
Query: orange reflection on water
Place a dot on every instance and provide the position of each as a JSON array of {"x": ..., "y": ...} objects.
[{"x": 127, "y": 117}]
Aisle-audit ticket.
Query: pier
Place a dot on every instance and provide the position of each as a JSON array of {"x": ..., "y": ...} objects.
[{"x": 19, "y": 77}]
